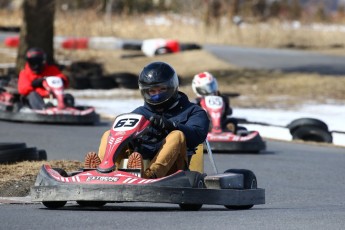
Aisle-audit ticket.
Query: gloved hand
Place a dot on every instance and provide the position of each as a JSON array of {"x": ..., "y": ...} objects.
[
  {"x": 162, "y": 123},
  {"x": 37, "y": 82}
]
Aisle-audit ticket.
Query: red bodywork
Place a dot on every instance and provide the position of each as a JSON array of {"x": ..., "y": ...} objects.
[
  {"x": 6, "y": 98},
  {"x": 214, "y": 106},
  {"x": 125, "y": 128}
]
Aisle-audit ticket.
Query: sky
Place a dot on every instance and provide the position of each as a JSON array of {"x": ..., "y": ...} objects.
[{"x": 332, "y": 115}]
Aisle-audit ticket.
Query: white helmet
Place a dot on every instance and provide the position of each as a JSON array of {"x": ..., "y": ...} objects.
[{"x": 204, "y": 84}]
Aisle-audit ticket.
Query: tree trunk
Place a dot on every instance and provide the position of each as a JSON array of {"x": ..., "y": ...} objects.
[{"x": 37, "y": 29}]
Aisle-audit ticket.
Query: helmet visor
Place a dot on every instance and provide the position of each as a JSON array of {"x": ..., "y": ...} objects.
[
  {"x": 36, "y": 63},
  {"x": 156, "y": 94},
  {"x": 207, "y": 89}
]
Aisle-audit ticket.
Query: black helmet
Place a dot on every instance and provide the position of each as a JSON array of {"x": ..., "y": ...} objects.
[
  {"x": 36, "y": 58},
  {"x": 158, "y": 74}
]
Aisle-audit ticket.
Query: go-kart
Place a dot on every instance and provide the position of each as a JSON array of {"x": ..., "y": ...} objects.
[
  {"x": 222, "y": 139},
  {"x": 13, "y": 107},
  {"x": 190, "y": 189}
]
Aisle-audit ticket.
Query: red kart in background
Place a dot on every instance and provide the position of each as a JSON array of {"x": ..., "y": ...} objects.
[
  {"x": 58, "y": 110},
  {"x": 221, "y": 138}
]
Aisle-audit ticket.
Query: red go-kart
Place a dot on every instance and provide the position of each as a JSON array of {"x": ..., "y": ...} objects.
[
  {"x": 221, "y": 138},
  {"x": 59, "y": 109},
  {"x": 190, "y": 189}
]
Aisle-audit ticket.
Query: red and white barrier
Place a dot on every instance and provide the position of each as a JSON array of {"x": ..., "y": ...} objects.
[{"x": 149, "y": 46}]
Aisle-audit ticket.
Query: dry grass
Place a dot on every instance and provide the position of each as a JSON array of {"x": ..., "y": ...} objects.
[
  {"x": 29, "y": 169},
  {"x": 187, "y": 29}
]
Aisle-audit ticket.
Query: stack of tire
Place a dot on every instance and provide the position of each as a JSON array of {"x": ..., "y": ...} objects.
[
  {"x": 310, "y": 129},
  {"x": 16, "y": 152},
  {"x": 89, "y": 75}
]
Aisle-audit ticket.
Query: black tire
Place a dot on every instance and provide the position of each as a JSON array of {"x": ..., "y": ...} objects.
[
  {"x": 69, "y": 100},
  {"x": 249, "y": 182},
  {"x": 79, "y": 82},
  {"x": 189, "y": 46},
  {"x": 42, "y": 155},
  {"x": 102, "y": 83},
  {"x": 54, "y": 204},
  {"x": 16, "y": 155},
  {"x": 126, "y": 80},
  {"x": 312, "y": 133},
  {"x": 131, "y": 46},
  {"x": 295, "y": 124},
  {"x": 6, "y": 146},
  {"x": 86, "y": 68},
  {"x": 197, "y": 181},
  {"x": 84, "y": 203}
]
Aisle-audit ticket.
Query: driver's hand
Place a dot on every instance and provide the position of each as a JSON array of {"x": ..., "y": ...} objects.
[
  {"x": 37, "y": 82},
  {"x": 161, "y": 123}
]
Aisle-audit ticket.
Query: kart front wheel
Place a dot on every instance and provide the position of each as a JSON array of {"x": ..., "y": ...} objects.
[
  {"x": 250, "y": 182},
  {"x": 54, "y": 204},
  {"x": 197, "y": 181}
]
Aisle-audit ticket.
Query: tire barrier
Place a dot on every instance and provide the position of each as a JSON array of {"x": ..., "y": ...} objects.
[
  {"x": 89, "y": 75},
  {"x": 16, "y": 152},
  {"x": 310, "y": 129}
]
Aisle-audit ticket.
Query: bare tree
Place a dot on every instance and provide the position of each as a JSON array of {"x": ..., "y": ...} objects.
[{"x": 37, "y": 29}]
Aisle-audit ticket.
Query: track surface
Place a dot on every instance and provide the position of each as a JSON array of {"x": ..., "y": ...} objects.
[{"x": 304, "y": 188}]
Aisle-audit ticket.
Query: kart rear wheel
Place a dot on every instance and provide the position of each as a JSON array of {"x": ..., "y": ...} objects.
[
  {"x": 84, "y": 203},
  {"x": 249, "y": 182},
  {"x": 197, "y": 181},
  {"x": 54, "y": 204}
]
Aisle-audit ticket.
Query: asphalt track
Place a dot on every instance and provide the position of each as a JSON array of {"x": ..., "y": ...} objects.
[{"x": 304, "y": 186}]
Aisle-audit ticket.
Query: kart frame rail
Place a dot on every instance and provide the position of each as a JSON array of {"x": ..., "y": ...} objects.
[{"x": 155, "y": 194}]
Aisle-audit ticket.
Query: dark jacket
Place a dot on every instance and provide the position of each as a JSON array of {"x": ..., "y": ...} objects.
[{"x": 191, "y": 119}]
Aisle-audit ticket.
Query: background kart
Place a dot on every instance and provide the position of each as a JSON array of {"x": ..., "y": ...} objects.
[
  {"x": 221, "y": 138},
  {"x": 14, "y": 108},
  {"x": 235, "y": 188}
]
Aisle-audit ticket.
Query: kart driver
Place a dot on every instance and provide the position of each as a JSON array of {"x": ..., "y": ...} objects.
[
  {"x": 205, "y": 84},
  {"x": 177, "y": 125},
  {"x": 32, "y": 76}
]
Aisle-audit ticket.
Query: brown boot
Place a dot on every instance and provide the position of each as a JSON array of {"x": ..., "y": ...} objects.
[
  {"x": 92, "y": 160},
  {"x": 135, "y": 161}
]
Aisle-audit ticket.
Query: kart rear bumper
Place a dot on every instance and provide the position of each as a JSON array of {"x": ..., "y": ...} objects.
[{"x": 249, "y": 146}]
